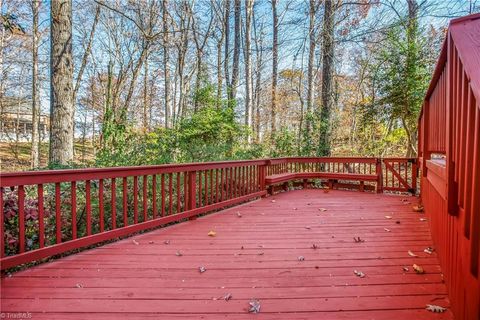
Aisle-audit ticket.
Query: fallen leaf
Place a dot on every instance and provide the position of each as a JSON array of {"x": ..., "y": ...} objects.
[
  {"x": 239, "y": 214},
  {"x": 423, "y": 219},
  {"x": 429, "y": 250},
  {"x": 295, "y": 209},
  {"x": 254, "y": 306},
  {"x": 227, "y": 297},
  {"x": 202, "y": 269},
  {"x": 314, "y": 246},
  {"x": 418, "y": 269},
  {"x": 150, "y": 242},
  {"x": 397, "y": 222},
  {"x": 322, "y": 209},
  {"x": 411, "y": 254},
  {"x": 135, "y": 242},
  {"x": 405, "y": 269},
  {"x": 388, "y": 217},
  {"x": 178, "y": 254},
  {"x": 434, "y": 308},
  {"x": 211, "y": 233},
  {"x": 359, "y": 274},
  {"x": 241, "y": 247},
  {"x": 260, "y": 253},
  {"x": 166, "y": 242},
  {"x": 301, "y": 258},
  {"x": 386, "y": 229},
  {"x": 79, "y": 285},
  {"x": 273, "y": 201},
  {"x": 418, "y": 208},
  {"x": 308, "y": 227},
  {"x": 326, "y": 190},
  {"x": 358, "y": 240}
]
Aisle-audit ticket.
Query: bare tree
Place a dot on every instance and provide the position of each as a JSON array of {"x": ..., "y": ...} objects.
[
  {"x": 35, "y": 152},
  {"x": 311, "y": 62},
  {"x": 327, "y": 79},
  {"x": 248, "y": 65},
  {"x": 236, "y": 51},
  {"x": 273, "y": 110},
  {"x": 61, "y": 94},
  {"x": 166, "y": 58}
]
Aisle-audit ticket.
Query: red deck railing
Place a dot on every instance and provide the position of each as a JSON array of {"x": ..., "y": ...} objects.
[
  {"x": 44, "y": 213},
  {"x": 449, "y": 153}
]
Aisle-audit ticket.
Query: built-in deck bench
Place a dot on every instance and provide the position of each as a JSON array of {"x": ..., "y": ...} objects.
[{"x": 331, "y": 179}]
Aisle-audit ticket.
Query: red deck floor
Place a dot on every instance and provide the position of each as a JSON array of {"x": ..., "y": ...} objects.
[{"x": 252, "y": 256}]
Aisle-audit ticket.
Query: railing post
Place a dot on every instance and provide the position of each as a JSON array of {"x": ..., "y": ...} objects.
[
  {"x": 379, "y": 176},
  {"x": 261, "y": 176},
  {"x": 414, "y": 176},
  {"x": 192, "y": 192}
]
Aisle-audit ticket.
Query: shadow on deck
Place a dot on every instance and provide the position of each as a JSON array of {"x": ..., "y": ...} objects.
[{"x": 253, "y": 256}]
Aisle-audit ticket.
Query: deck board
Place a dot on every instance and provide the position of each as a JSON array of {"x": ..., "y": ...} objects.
[{"x": 252, "y": 256}]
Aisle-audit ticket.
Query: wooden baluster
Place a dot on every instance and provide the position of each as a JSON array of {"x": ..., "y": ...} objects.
[
  {"x": 73, "y": 207},
  {"x": 211, "y": 186},
  {"x": 145, "y": 198},
  {"x": 185, "y": 191},
  {"x": 114, "y": 204},
  {"x": 163, "y": 194},
  {"x": 100, "y": 208},
  {"x": 170, "y": 193},
  {"x": 58, "y": 214},
  {"x": 21, "y": 219},
  {"x": 206, "y": 187},
  {"x": 125, "y": 201},
  {"x": 135, "y": 200},
  {"x": 41, "y": 218},
  {"x": 216, "y": 185},
  {"x": 2, "y": 232},
  {"x": 154, "y": 196},
  {"x": 178, "y": 192},
  {"x": 200, "y": 191},
  {"x": 88, "y": 202}
]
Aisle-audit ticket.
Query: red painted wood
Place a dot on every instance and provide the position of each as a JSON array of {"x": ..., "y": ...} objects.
[
  {"x": 58, "y": 214},
  {"x": 125, "y": 201},
  {"x": 128, "y": 280},
  {"x": 450, "y": 126},
  {"x": 73, "y": 205},
  {"x": 41, "y": 221},
  {"x": 135, "y": 199},
  {"x": 100, "y": 208},
  {"x": 88, "y": 203},
  {"x": 113, "y": 203}
]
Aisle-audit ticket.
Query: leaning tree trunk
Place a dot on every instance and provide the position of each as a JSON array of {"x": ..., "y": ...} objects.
[
  {"x": 311, "y": 62},
  {"x": 35, "y": 152},
  {"x": 61, "y": 90},
  {"x": 324, "y": 147}
]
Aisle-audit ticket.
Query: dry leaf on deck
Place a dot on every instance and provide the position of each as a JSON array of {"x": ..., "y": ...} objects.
[
  {"x": 166, "y": 242},
  {"x": 211, "y": 233},
  {"x": 429, "y": 250},
  {"x": 150, "y": 242},
  {"x": 386, "y": 229},
  {"x": 388, "y": 217},
  {"x": 359, "y": 274},
  {"x": 326, "y": 190},
  {"x": 202, "y": 269},
  {"x": 434, "y": 308},
  {"x": 239, "y": 214},
  {"x": 418, "y": 269},
  {"x": 254, "y": 306},
  {"x": 273, "y": 201},
  {"x": 79, "y": 285},
  {"x": 418, "y": 208},
  {"x": 411, "y": 254},
  {"x": 301, "y": 258},
  {"x": 135, "y": 242},
  {"x": 322, "y": 209},
  {"x": 314, "y": 246},
  {"x": 405, "y": 269},
  {"x": 423, "y": 219},
  {"x": 308, "y": 227},
  {"x": 178, "y": 254},
  {"x": 227, "y": 297},
  {"x": 357, "y": 239}
]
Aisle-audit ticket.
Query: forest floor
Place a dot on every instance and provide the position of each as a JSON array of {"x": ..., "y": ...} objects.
[{"x": 16, "y": 156}]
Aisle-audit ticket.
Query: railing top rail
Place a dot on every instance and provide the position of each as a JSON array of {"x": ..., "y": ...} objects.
[{"x": 66, "y": 175}]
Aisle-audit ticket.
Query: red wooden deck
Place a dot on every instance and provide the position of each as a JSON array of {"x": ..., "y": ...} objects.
[{"x": 252, "y": 256}]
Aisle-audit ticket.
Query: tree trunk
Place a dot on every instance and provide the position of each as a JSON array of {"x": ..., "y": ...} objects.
[
  {"x": 227, "y": 48},
  {"x": 166, "y": 69},
  {"x": 145, "y": 96},
  {"x": 311, "y": 66},
  {"x": 324, "y": 147},
  {"x": 61, "y": 92},
  {"x": 273, "y": 111},
  {"x": 258, "y": 76},
  {"x": 248, "y": 65},
  {"x": 35, "y": 152},
  {"x": 236, "y": 52}
]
